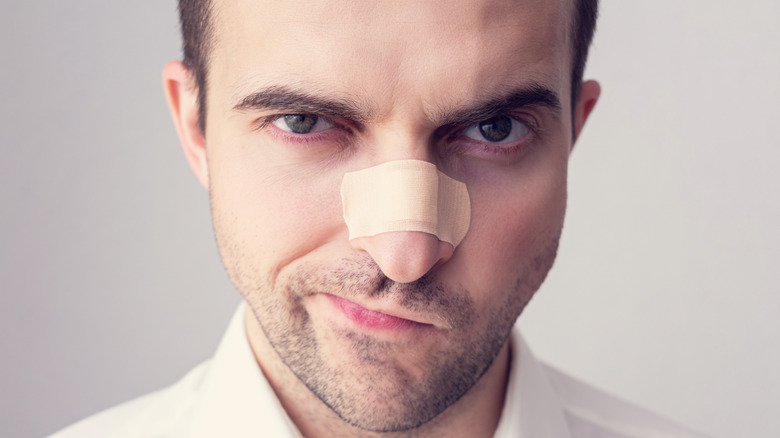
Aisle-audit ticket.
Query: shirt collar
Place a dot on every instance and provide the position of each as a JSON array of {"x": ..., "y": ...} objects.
[
  {"x": 237, "y": 401},
  {"x": 531, "y": 407}
]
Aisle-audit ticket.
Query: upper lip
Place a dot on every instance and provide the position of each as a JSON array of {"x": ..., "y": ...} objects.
[{"x": 394, "y": 310}]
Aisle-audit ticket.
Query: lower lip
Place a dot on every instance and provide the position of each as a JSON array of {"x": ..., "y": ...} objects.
[{"x": 365, "y": 318}]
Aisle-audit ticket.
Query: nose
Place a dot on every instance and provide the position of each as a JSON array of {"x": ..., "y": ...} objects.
[
  {"x": 406, "y": 215},
  {"x": 405, "y": 256}
]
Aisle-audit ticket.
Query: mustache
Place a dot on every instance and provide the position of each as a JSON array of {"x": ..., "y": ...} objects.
[{"x": 360, "y": 277}]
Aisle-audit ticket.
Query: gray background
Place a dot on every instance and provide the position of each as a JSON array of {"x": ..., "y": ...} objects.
[{"x": 664, "y": 293}]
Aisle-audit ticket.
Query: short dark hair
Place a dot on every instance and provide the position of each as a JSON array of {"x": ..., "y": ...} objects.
[
  {"x": 584, "y": 26},
  {"x": 197, "y": 30},
  {"x": 197, "y": 33}
]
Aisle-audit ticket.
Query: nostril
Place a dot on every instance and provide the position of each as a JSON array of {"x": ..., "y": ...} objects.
[{"x": 404, "y": 256}]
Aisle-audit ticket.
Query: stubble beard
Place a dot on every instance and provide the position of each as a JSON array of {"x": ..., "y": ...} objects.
[{"x": 376, "y": 394}]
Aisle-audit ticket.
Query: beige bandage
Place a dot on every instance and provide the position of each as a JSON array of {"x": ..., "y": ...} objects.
[{"x": 405, "y": 195}]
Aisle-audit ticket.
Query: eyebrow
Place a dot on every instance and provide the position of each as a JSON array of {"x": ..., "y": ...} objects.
[
  {"x": 290, "y": 100},
  {"x": 527, "y": 96},
  {"x": 282, "y": 98}
]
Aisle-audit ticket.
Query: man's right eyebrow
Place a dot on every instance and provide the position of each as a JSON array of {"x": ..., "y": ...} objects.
[{"x": 292, "y": 101}]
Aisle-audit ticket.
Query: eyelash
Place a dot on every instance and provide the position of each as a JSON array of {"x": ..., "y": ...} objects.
[
  {"x": 457, "y": 136},
  {"x": 289, "y": 137}
]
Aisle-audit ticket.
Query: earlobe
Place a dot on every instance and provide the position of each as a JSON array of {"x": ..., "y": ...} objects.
[
  {"x": 589, "y": 95},
  {"x": 182, "y": 95}
]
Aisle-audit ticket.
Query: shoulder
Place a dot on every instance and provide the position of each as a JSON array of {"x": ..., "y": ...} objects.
[
  {"x": 160, "y": 413},
  {"x": 592, "y": 412}
]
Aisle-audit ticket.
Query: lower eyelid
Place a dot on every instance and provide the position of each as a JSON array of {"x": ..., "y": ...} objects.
[
  {"x": 299, "y": 139},
  {"x": 334, "y": 133},
  {"x": 458, "y": 144}
]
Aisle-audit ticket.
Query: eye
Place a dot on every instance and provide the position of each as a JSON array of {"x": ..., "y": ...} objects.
[
  {"x": 302, "y": 123},
  {"x": 499, "y": 129}
]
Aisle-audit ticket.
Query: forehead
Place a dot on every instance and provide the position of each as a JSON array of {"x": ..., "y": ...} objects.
[{"x": 396, "y": 52}]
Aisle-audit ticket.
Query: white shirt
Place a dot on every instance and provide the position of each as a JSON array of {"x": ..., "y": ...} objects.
[{"x": 228, "y": 396}]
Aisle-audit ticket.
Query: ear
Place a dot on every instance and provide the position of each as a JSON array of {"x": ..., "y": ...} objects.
[
  {"x": 589, "y": 95},
  {"x": 182, "y": 95}
]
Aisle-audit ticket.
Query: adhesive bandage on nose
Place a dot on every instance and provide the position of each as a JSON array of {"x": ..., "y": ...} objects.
[{"x": 405, "y": 195}]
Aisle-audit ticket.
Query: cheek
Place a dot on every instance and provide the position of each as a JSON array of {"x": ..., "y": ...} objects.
[
  {"x": 515, "y": 220},
  {"x": 265, "y": 217}
]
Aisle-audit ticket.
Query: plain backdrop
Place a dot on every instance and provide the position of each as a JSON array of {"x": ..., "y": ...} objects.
[{"x": 665, "y": 290}]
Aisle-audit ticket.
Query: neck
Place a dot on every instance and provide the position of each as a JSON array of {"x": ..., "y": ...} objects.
[{"x": 476, "y": 414}]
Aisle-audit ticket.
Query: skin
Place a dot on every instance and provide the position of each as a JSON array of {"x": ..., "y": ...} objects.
[{"x": 403, "y": 79}]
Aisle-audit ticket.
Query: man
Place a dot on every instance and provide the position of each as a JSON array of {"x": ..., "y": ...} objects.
[{"x": 388, "y": 187}]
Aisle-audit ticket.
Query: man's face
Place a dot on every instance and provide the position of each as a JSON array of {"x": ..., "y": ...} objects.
[{"x": 371, "y": 82}]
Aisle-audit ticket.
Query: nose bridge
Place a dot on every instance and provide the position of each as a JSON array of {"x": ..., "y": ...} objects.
[
  {"x": 406, "y": 214},
  {"x": 396, "y": 141}
]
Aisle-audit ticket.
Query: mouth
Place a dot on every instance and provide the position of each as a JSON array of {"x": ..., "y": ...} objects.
[{"x": 375, "y": 319}]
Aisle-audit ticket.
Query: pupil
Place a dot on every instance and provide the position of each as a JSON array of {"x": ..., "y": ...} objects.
[
  {"x": 496, "y": 129},
  {"x": 300, "y": 123}
]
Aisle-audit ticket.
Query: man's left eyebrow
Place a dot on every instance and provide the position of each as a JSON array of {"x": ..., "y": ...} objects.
[
  {"x": 534, "y": 95},
  {"x": 294, "y": 101}
]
